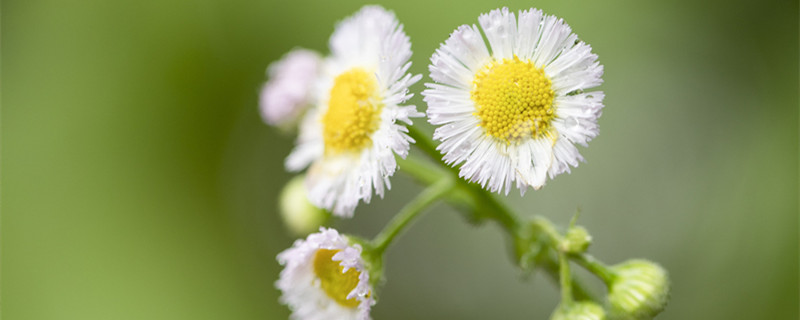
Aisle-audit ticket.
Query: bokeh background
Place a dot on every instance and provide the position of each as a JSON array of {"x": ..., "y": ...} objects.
[{"x": 138, "y": 181}]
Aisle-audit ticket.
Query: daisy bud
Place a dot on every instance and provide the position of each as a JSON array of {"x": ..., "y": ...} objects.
[
  {"x": 298, "y": 214},
  {"x": 577, "y": 240},
  {"x": 640, "y": 290},
  {"x": 582, "y": 310}
]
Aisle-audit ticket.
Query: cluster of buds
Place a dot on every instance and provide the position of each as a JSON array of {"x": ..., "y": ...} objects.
[{"x": 637, "y": 289}]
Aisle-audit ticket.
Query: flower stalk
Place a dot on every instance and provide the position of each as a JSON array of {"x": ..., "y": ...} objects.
[
  {"x": 408, "y": 213},
  {"x": 566, "y": 279}
]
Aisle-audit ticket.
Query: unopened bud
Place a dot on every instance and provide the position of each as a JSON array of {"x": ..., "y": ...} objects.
[
  {"x": 640, "y": 290},
  {"x": 577, "y": 240},
  {"x": 582, "y": 310},
  {"x": 299, "y": 215}
]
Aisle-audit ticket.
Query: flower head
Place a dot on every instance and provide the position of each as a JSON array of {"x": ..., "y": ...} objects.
[
  {"x": 289, "y": 90},
  {"x": 352, "y": 135},
  {"x": 514, "y": 115},
  {"x": 325, "y": 277}
]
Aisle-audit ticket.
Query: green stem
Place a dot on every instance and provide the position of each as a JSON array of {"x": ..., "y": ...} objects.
[
  {"x": 566, "y": 279},
  {"x": 423, "y": 142},
  {"x": 495, "y": 209},
  {"x": 420, "y": 170},
  {"x": 595, "y": 266},
  {"x": 549, "y": 230},
  {"x": 427, "y": 174},
  {"x": 408, "y": 213},
  {"x": 585, "y": 260},
  {"x": 492, "y": 208},
  {"x": 553, "y": 270}
]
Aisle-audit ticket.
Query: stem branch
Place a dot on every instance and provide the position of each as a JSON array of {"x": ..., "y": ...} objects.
[
  {"x": 552, "y": 270},
  {"x": 423, "y": 143},
  {"x": 595, "y": 266},
  {"x": 408, "y": 213},
  {"x": 493, "y": 208},
  {"x": 489, "y": 206}
]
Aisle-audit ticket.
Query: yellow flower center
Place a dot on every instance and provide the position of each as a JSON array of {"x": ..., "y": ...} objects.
[
  {"x": 514, "y": 100},
  {"x": 334, "y": 282},
  {"x": 354, "y": 111}
]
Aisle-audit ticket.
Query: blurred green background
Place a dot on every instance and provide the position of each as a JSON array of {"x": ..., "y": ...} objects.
[{"x": 138, "y": 181}]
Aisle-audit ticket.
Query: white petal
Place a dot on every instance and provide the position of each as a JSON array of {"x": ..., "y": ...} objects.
[{"x": 500, "y": 27}]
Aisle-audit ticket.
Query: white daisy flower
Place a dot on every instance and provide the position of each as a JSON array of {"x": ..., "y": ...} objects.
[
  {"x": 350, "y": 138},
  {"x": 289, "y": 90},
  {"x": 325, "y": 278},
  {"x": 513, "y": 115}
]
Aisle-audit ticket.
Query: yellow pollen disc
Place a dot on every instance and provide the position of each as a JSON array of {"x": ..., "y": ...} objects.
[
  {"x": 354, "y": 111},
  {"x": 334, "y": 282},
  {"x": 514, "y": 100}
]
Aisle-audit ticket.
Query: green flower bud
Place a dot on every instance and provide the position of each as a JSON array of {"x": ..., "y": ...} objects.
[
  {"x": 577, "y": 240},
  {"x": 640, "y": 290},
  {"x": 581, "y": 310},
  {"x": 298, "y": 214}
]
